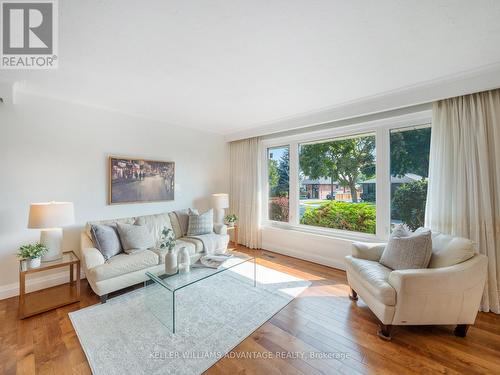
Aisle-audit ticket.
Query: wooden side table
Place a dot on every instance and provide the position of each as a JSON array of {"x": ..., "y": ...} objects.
[
  {"x": 50, "y": 298},
  {"x": 235, "y": 236}
]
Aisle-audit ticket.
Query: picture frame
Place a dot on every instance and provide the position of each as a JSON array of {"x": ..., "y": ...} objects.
[{"x": 138, "y": 180}]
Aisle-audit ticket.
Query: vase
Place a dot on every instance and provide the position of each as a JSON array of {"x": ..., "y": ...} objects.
[
  {"x": 183, "y": 260},
  {"x": 171, "y": 262},
  {"x": 34, "y": 262}
]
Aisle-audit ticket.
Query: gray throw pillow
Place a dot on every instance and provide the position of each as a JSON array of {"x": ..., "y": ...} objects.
[
  {"x": 201, "y": 224},
  {"x": 106, "y": 240},
  {"x": 183, "y": 219},
  {"x": 408, "y": 252},
  {"x": 135, "y": 237}
]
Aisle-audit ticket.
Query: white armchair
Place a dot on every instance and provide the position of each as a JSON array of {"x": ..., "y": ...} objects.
[{"x": 446, "y": 295}]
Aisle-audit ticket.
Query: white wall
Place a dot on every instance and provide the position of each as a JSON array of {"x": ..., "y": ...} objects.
[
  {"x": 316, "y": 248},
  {"x": 53, "y": 150}
]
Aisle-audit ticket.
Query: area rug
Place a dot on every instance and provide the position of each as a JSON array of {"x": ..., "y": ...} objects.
[{"x": 130, "y": 334}]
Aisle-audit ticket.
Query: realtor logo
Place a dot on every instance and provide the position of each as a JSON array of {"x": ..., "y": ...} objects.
[{"x": 29, "y": 34}]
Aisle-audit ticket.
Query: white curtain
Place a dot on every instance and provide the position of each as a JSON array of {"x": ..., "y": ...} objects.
[
  {"x": 245, "y": 190},
  {"x": 464, "y": 178}
]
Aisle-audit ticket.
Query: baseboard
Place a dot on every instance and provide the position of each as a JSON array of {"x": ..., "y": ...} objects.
[
  {"x": 12, "y": 290},
  {"x": 309, "y": 257}
]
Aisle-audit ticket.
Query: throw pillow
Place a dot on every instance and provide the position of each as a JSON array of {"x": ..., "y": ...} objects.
[
  {"x": 106, "y": 240},
  {"x": 401, "y": 230},
  {"x": 135, "y": 237},
  {"x": 408, "y": 252},
  {"x": 183, "y": 220},
  {"x": 449, "y": 250},
  {"x": 201, "y": 224}
]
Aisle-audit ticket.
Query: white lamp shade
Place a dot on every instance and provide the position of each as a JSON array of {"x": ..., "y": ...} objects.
[
  {"x": 51, "y": 215},
  {"x": 220, "y": 200}
]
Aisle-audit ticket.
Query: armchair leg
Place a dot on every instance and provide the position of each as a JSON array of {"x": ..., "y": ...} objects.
[
  {"x": 384, "y": 332},
  {"x": 461, "y": 330},
  {"x": 104, "y": 298},
  {"x": 353, "y": 296}
]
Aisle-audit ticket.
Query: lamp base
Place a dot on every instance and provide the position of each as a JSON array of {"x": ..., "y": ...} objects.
[
  {"x": 219, "y": 215},
  {"x": 52, "y": 239}
]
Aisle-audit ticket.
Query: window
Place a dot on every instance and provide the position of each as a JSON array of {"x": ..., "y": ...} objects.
[
  {"x": 278, "y": 170},
  {"x": 354, "y": 181},
  {"x": 337, "y": 183},
  {"x": 409, "y": 172}
]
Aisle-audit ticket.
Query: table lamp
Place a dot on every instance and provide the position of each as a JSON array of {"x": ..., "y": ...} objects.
[
  {"x": 50, "y": 217},
  {"x": 220, "y": 201}
]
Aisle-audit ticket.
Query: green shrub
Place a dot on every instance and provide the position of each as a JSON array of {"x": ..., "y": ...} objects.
[
  {"x": 357, "y": 217},
  {"x": 409, "y": 203}
]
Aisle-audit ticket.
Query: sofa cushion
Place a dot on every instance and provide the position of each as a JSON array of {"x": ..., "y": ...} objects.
[
  {"x": 374, "y": 277},
  {"x": 135, "y": 237},
  {"x": 201, "y": 223},
  {"x": 178, "y": 244},
  {"x": 106, "y": 239},
  {"x": 198, "y": 244},
  {"x": 124, "y": 263},
  {"x": 174, "y": 221},
  {"x": 410, "y": 252},
  {"x": 155, "y": 224},
  {"x": 449, "y": 250}
]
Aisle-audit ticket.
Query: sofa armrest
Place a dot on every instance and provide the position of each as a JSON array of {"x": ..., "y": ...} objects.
[
  {"x": 456, "y": 278},
  {"x": 368, "y": 250},
  {"x": 220, "y": 229},
  {"x": 92, "y": 258}
]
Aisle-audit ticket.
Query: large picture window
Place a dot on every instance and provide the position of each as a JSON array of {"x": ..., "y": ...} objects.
[
  {"x": 278, "y": 172},
  {"x": 337, "y": 184},
  {"x": 409, "y": 172},
  {"x": 356, "y": 181}
]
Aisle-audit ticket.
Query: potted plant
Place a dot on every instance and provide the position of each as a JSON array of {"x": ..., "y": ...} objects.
[
  {"x": 32, "y": 253},
  {"x": 167, "y": 241},
  {"x": 231, "y": 219}
]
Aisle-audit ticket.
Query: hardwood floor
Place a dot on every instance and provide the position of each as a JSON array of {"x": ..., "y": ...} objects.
[{"x": 321, "y": 320}]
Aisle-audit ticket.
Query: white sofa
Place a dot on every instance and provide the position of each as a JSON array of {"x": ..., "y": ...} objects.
[
  {"x": 444, "y": 295},
  {"x": 123, "y": 270}
]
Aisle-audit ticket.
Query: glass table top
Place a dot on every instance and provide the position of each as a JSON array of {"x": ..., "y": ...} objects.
[
  {"x": 181, "y": 280},
  {"x": 66, "y": 259}
]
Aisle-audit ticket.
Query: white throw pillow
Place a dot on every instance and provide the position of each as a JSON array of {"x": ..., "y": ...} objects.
[
  {"x": 407, "y": 250},
  {"x": 449, "y": 250}
]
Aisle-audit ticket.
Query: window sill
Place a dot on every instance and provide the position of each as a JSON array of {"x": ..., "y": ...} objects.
[{"x": 332, "y": 233}]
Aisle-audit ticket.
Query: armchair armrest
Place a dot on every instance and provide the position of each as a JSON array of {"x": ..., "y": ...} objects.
[
  {"x": 458, "y": 277},
  {"x": 368, "y": 250},
  {"x": 220, "y": 228},
  {"x": 447, "y": 295}
]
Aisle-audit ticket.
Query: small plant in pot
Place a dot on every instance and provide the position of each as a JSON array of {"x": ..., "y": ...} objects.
[
  {"x": 32, "y": 253},
  {"x": 231, "y": 219}
]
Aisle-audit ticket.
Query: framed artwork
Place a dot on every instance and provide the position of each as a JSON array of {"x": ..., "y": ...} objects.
[{"x": 139, "y": 180}]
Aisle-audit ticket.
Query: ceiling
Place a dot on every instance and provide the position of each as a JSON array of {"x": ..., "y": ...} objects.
[{"x": 228, "y": 66}]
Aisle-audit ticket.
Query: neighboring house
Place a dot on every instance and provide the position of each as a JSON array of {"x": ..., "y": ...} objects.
[
  {"x": 368, "y": 186},
  {"x": 321, "y": 189}
]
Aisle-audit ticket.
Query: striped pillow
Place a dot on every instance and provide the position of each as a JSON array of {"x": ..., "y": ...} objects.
[{"x": 201, "y": 224}]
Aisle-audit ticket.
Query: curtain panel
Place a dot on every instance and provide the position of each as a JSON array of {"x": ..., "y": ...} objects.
[
  {"x": 245, "y": 190},
  {"x": 464, "y": 178}
]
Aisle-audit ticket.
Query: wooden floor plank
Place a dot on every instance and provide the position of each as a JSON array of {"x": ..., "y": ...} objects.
[{"x": 321, "y": 320}]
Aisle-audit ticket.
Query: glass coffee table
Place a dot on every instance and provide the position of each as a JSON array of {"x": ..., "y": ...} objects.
[{"x": 173, "y": 283}]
